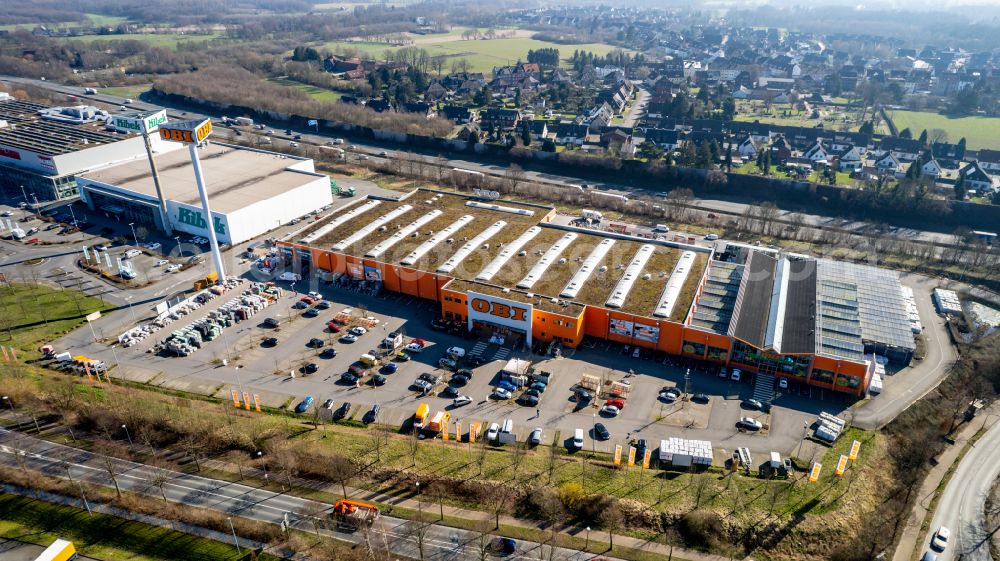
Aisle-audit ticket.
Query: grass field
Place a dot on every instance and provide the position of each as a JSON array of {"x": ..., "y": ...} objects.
[
  {"x": 106, "y": 537},
  {"x": 98, "y": 20},
  {"x": 169, "y": 40},
  {"x": 33, "y": 314},
  {"x": 126, "y": 91},
  {"x": 979, "y": 132},
  {"x": 313, "y": 91},
  {"x": 482, "y": 55}
]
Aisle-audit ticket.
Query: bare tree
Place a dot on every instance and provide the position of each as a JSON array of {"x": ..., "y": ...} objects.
[
  {"x": 513, "y": 177},
  {"x": 611, "y": 520},
  {"x": 498, "y": 499},
  {"x": 342, "y": 470},
  {"x": 413, "y": 446},
  {"x": 484, "y": 542},
  {"x": 438, "y": 489},
  {"x": 314, "y": 513},
  {"x": 192, "y": 446},
  {"x": 107, "y": 450},
  {"x": 286, "y": 462},
  {"x": 160, "y": 478},
  {"x": 517, "y": 453}
]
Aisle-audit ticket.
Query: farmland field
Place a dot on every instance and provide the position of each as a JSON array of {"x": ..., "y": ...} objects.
[
  {"x": 169, "y": 40},
  {"x": 313, "y": 91},
  {"x": 482, "y": 54},
  {"x": 979, "y": 132},
  {"x": 95, "y": 19}
]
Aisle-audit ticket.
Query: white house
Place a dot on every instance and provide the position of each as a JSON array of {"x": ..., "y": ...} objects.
[
  {"x": 747, "y": 149},
  {"x": 817, "y": 154},
  {"x": 850, "y": 160},
  {"x": 888, "y": 164}
]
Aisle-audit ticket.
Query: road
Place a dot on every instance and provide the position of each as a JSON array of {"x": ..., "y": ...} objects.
[
  {"x": 234, "y": 499},
  {"x": 490, "y": 168},
  {"x": 961, "y": 506}
]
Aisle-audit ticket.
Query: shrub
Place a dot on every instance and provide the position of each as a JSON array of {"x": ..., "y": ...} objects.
[
  {"x": 571, "y": 494},
  {"x": 701, "y": 529}
]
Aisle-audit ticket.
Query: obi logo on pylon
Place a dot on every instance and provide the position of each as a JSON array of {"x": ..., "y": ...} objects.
[{"x": 499, "y": 309}]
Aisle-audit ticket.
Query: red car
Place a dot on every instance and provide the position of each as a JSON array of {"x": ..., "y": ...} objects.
[
  {"x": 307, "y": 299},
  {"x": 619, "y": 403},
  {"x": 420, "y": 342},
  {"x": 333, "y": 327}
]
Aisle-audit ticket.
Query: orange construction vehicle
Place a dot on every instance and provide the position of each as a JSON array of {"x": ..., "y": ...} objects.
[{"x": 352, "y": 515}]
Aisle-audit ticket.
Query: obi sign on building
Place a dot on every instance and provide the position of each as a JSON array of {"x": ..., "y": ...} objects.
[{"x": 500, "y": 311}]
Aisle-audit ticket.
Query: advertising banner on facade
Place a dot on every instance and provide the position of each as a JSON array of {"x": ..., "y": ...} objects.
[
  {"x": 373, "y": 274},
  {"x": 355, "y": 270},
  {"x": 649, "y": 333},
  {"x": 620, "y": 327}
]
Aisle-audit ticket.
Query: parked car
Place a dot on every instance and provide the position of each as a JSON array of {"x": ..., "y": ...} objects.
[
  {"x": 712, "y": 237},
  {"x": 328, "y": 352},
  {"x": 457, "y": 352},
  {"x": 414, "y": 348},
  {"x": 601, "y": 431},
  {"x": 270, "y": 342},
  {"x": 610, "y": 411},
  {"x": 538, "y": 386},
  {"x": 449, "y": 391},
  {"x": 378, "y": 379},
  {"x": 736, "y": 375},
  {"x": 493, "y": 432},
  {"x": 315, "y": 343},
  {"x": 322, "y": 305},
  {"x": 535, "y": 438},
  {"x": 752, "y": 404},
  {"x": 342, "y": 411},
  {"x": 349, "y": 378},
  {"x": 304, "y": 405},
  {"x": 461, "y": 400},
  {"x": 310, "y": 368},
  {"x": 371, "y": 414},
  {"x": 422, "y": 385},
  {"x": 401, "y": 356},
  {"x": 349, "y": 338},
  {"x": 161, "y": 263},
  {"x": 528, "y": 400},
  {"x": 333, "y": 327},
  {"x": 783, "y": 383},
  {"x": 700, "y": 398},
  {"x": 749, "y": 423},
  {"x": 501, "y": 393},
  {"x": 637, "y": 352},
  {"x": 311, "y": 313},
  {"x": 358, "y": 330}
]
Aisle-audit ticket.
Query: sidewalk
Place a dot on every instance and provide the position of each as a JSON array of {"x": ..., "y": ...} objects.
[
  {"x": 432, "y": 508},
  {"x": 928, "y": 489}
]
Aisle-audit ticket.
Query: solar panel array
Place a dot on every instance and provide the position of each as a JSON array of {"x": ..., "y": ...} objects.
[{"x": 882, "y": 313}]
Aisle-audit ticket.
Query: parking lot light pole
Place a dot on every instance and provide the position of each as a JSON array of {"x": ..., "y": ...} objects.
[
  {"x": 180, "y": 252},
  {"x": 587, "y": 544},
  {"x": 236, "y": 540},
  {"x": 134, "y": 237},
  {"x": 129, "y": 437},
  {"x": 805, "y": 432}
]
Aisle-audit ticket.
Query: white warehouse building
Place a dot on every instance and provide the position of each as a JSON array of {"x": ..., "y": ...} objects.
[{"x": 250, "y": 191}]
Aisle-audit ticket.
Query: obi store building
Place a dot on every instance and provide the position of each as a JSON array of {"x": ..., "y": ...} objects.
[
  {"x": 250, "y": 191},
  {"x": 504, "y": 268}
]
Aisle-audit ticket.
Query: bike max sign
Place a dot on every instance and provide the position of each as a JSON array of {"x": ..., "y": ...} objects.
[{"x": 195, "y": 219}]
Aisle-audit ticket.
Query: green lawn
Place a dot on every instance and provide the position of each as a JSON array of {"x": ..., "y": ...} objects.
[
  {"x": 106, "y": 537},
  {"x": 169, "y": 40},
  {"x": 31, "y": 315},
  {"x": 97, "y": 20},
  {"x": 979, "y": 132},
  {"x": 313, "y": 91},
  {"x": 126, "y": 91},
  {"x": 482, "y": 55}
]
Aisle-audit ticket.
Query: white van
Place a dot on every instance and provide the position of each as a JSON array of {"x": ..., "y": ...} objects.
[
  {"x": 493, "y": 432},
  {"x": 578, "y": 439},
  {"x": 290, "y": 277},
  {"x": 661, "y": 228}
]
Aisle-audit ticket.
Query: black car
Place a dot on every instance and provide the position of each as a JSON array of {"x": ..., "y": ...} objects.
[
  {"x": 378, "y": 380},
  {"x": 271, "y": 322},
  {"x": 315, "y": 343},
  {"x": 297, "y": 137},
  {"x": 640, "y": 448},
  {"x": 349, "y": 377},
  {"x": 323, "y": 305},
  {"x": 700, "y": 398},
  {"x": 601, "y": 431},
  {"x": 311, "y": 313},
  {"x": 372, "y": 414},
  {"x": 428, "y": 377},
  {"x": 300, "y": 305},
  {"x": 528, "y": 400},
  {"x": 475, "y": 361},
  {"x": 459, "y": 380},
  {"x": 310, "y": 368},
  {"x": 583, "y": 396},
  {"x": 270, "y": 342},
  {"x": 449, "y": 391},
  {"x": 438, "y": 325},
  {"x": 328, "y": 352},
  {"x": 342, "y": 411},
  {"x": 464, "y": 372}
]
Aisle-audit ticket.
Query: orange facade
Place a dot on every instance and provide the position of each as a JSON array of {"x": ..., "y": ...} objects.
[{"x": 601, "y": 323}]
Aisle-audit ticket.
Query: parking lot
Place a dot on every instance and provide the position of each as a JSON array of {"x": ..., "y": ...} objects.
[{"x": 243, "y": 360}]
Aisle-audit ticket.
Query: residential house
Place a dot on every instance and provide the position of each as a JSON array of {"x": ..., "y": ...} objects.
[
  {"x": 539, "y": 129},
  {"x": 418, "y": 107},
  {"x": 619, "y": 140},
  {"x": 499, "y": 118},
  {"x": 850, "y": 160},
  {"x": 989, "y": 160},
  {"x": 948, "y": 151},
  {"x": 930, "y": 168},
  {"x": 888, "y": 164},
  {"x": 904, "y": 149},
  {"x": 978, "y": 180},
  {"x": 436, "y": 92},
  {"x": 337, "y": 65},
  {"x": 457, "y": 113},
  {"x": 748, "y": 149},
  {"x": 572, "y": 133},
  {"x": 817, "y": 154},
  {"x": 781, "y": 150},
  {"x": 380, "y": 105},
  {"x": 668, "y": 139},
  {"x": 356, "y": 74}
]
